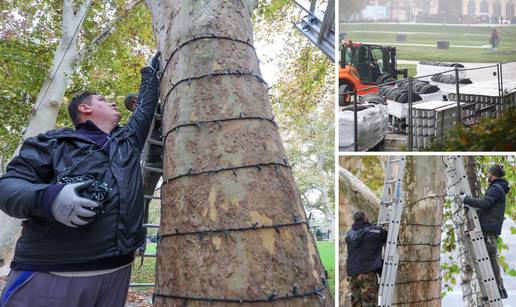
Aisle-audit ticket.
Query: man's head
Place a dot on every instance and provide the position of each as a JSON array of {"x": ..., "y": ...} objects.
[
  {"x": 94, "y": 107},
  {"x": 495, "y": 172},
  {"x": 130, "y": 102},
  {"x": 360, "y": 216}
]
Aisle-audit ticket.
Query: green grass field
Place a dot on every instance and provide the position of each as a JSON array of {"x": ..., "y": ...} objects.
[
  {"x": 145, "y": 273},
  {"x": 430, "y": 34}
]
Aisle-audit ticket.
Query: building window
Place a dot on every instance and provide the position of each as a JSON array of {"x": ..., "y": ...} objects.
[
  {"x": 472, "y": 7},
  {"x": 497, "y": 9},
  {"x": 509, "y": 8},
  {"x": 484, "y": 7}
]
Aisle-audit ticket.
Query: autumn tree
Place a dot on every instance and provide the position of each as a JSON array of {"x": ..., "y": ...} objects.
[{"x": 232, "y": 229}]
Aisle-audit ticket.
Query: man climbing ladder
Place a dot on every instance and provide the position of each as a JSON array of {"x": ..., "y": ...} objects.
[
  {"x": 491, "y": 216},
  {"x": 482, "y": 260}
]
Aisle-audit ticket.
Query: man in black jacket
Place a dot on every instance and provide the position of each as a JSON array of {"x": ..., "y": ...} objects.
[
  {"x": 491, "y": 215},
  {"x": 364, "y": 242},
  {"x": 154, "y": 160},
  {"x": 79, "y": 192}
]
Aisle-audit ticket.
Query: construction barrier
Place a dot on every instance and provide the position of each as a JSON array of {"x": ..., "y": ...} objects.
[{"x": 416, "y": 108}]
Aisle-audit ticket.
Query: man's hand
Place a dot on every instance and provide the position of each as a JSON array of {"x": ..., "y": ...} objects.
[
  {"x": 68, "y": 207},
  {"x": 462, "y": 196},
  {"x": 154, "y": 62}
]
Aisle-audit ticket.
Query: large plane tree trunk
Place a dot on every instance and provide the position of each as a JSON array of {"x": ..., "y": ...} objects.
[
  {"x": 226, "y": 179},
  {"x": 418, "y": 282}
]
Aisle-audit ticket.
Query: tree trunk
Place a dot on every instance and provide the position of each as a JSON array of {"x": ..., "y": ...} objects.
[
  {"x": 359, "y": 196},
  {"x": 471, "y": 292},
  {"x": 353, "y": 195},
  {"x": 328, "y": 211},
  {"x": 224, "y": 180},
  {"x": 418, "y": 281}
]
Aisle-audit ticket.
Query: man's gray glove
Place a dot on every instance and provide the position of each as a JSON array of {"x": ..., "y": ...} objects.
[
  {"x": 68, "y": 207},
  {"x": 462, "y": 196}
]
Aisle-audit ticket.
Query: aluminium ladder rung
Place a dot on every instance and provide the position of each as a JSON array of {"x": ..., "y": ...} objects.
[
  {"x": 156, "y": 142},
  {"x": 151, "y": 197},
  {"x": 151, "y": 225},
  {"x": 142, "y": 285},
  {"x": 153, "y": 169}
]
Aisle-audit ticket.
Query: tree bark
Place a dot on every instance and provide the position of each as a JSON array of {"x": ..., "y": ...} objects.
[
  {"x": 327, "y": 210},
  {"x": 359, "y": 196},
  {"x": 418, "y": 281},
  {"x": 353, "y": 195},
  {"x": 225, "y": 262}
]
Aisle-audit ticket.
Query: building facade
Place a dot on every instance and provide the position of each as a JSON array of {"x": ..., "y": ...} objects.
[{"x": 442, "y": 10}]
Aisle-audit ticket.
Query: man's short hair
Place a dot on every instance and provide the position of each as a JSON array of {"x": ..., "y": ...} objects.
[
  {"x": 73, "y": 106},
  {"x": 496, "y": 170},
  {"x": 359, "y": 216}
]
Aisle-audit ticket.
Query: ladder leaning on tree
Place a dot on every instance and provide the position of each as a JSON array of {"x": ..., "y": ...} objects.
[
  {"x": 149, "y": 168},
  {"x": 391, "y": 207},
  {"x": 458, "y": 183}
]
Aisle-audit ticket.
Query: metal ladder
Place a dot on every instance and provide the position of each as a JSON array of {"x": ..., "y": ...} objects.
[
  {"x": 391, "y": 206},
  {"x": 457, "y": 184},
  {"x": 145, "y": 154},
  {"x": 319, "y": 26}
]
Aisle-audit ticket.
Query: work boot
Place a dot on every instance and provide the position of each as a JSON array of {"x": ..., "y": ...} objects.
[{"x": 503, "y": 293}]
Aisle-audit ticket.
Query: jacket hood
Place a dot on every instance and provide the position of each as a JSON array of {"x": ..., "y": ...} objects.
[
  {"x": 360, "y": 225},
  {"x": 357, "y": 232},
  {"x": 503, "y": 183}
]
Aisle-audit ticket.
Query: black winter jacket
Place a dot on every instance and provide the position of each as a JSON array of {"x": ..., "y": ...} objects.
[
  {"x": 364, "y": 242},
  {"x": 492, "y": 206},
  {"x": 46, "y": 244}
]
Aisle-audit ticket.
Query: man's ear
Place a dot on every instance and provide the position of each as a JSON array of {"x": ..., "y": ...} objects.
[{"x": 84, "y": 108}]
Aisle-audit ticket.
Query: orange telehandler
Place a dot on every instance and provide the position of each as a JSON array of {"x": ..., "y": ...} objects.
[{"x": 363, "y": 67}]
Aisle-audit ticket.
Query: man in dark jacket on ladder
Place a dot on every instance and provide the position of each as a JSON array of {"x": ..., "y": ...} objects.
[
  {"x": 491, "y": 215},
  {"x": 364, "y": 243},
  {"x": 79, "y": 192}
]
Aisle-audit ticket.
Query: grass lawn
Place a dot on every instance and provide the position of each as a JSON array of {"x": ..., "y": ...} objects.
[
  {"x": 430, "y": 34},
  {"x": 145, "y": 273}
]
